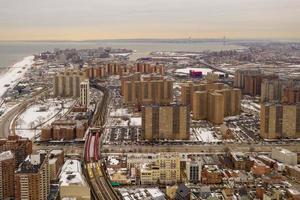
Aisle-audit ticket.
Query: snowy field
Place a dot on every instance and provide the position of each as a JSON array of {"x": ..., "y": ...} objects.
[
  {"x": 40, "y": 113},
  {"x": 120, "y": 112},
  {"x": 187, "y": 70},
  {"x": 204, "y": 135},
  {"x": 135, "y": 121},
  {"x": 14, "y": 74}
]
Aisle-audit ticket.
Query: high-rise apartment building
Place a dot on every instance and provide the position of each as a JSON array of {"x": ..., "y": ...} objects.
[
  {"x": 7, "y": 174},
  {"x": 214, "y": 105},
  {"x": 132, "y": 78},
  {"x": 32, "y": 179},
  {"x": 20, "y": 147},
  {"x": 67, "y": 84},
  {"x": 252, "y": 84},
  {"x": 188, "y": 89},
  {"x": 239, "y": 77},
  {"x": 148, "y": 68},
  {"x": 85, "y": 93},
  {"x": 279, "y": 120},
  {"x": 148, "y": 92},
  {"x": 165, "y": 122},
  {"x": 291, "y": 95},
  {"x": 200, "y": 105},
  {"x": 215, "y": 112}
]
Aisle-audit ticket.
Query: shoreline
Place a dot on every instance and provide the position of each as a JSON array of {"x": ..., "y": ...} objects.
[{"x": 11, "y": 75}]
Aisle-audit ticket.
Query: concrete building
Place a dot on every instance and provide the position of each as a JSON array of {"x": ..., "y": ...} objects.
[
  {"x": 239, "y": 77},
  {"x": 149, "y": 174},
  {"x": 32, "y": 179},
  {"x": 132, "y": 77},
  {"x": 252, "y": 84},
  {"x": 7, "y": 174},
  {"x": 165, "y": 170},
  {"x": 214, "y": 105},
  {"x": 291, "y": 95},
  {"x": 211, "y": 174},
  {"x": 20, "y": 147},
  {"x": 56, "y": 161},
  {"x": 148, "y": 68},
  {"x": 279, "y": 120},
  {"x": 72, "y": 183},
  {"x": 285, "y": 156},
  {"x": 193, "y": 170},
  {"x": 67, "y": 84},
  {"x": 241, "y": 161},
  {"x": 165, "y": 122},
  {"x": 169, "y": 168},
  {"x": 189, "y": 88},
  {"x": 183, "y": 192},
  {"x": 148, "y": 92},
  {"x": 200, "y": 105},
  {"x": 271, "y": 89},
  {"x": 85, "y": 93},
  {"x": 215, "y": 108}
]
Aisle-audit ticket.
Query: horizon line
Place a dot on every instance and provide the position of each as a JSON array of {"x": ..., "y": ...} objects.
[{"x": 157, "y": 39}]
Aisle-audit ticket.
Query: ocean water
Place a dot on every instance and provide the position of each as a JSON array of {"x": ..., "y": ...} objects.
[{"x": 12, "y": 52}]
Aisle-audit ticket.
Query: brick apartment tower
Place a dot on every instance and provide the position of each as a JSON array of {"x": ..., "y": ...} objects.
[
  {"x": 32, "y": 179},
  {"x": 7, "y": 174},
  {"x": 165, "y": 122}
]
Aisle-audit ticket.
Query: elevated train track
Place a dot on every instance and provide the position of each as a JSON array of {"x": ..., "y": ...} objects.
[{"x": 93, "y": 165}]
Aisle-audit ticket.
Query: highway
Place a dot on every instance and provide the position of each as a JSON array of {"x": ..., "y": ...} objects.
[
  {"x": 94, "y": 167},
  {"x": 8, "y": 118},
  {"x": 181, "y": 148},
  {"x": 216, "y": 68}
]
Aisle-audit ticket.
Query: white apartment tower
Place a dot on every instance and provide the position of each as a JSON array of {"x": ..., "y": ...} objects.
[{"x": 85, "y": 93}]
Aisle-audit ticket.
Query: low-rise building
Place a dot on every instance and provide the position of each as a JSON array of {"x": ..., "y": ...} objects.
[
  {"x": 285, "y": 156},
  {"x": 72, "y": 183}
]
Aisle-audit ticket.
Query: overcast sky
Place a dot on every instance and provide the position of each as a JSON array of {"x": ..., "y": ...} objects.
[{"x": 122, "y": 19}]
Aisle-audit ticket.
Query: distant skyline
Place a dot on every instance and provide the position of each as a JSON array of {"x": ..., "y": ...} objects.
[{"x": 157, "y": 19}]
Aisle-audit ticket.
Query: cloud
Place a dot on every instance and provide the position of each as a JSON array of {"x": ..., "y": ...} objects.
[{"x": 83, "y": 19}]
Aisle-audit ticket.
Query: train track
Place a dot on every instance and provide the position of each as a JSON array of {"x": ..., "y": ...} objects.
[{"x": 96, "y": 175}]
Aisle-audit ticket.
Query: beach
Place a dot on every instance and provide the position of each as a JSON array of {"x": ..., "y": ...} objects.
[{"x": 10, "y": 77}]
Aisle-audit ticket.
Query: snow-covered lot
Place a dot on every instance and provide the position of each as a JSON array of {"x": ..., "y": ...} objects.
[
  {"x": 38, "y": 114},
  {"x": 204, "y": 134}
]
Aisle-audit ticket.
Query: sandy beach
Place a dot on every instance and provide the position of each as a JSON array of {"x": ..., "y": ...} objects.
[{"x": 14, "y": 74}]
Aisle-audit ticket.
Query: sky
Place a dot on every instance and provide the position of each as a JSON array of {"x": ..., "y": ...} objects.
[{"x": 132, "y": 19}]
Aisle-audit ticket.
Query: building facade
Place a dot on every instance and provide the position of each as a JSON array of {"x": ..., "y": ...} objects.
[
  {"x": 7, "y": 174},
  {"x": 279, "y": 120},
  {"x": 148, "y": 92},
  {"x": 32, "y": 179},
  {"x": 193, "y": 170},
  {"x": 165, "y": 122},
  {"x": 20, "y": 147},
  {"x": 67, "y": 84},
  {"x": 85, "y": 93}
]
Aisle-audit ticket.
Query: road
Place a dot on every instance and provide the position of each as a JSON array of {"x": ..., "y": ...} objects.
[
  {"x": 7, "y": 118},
  {"x": 198, "y": 148}
]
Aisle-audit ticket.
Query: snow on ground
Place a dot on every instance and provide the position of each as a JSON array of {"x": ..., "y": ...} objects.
[
  {"x": 136, "y": 121},
  {"x": 204, "y": 135},
  {"x": 12, "y": 76},
  {"x": 119, "y": 112},
  {"x": 39, "y": 113},
  {"x": 187, "y": 70}
]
